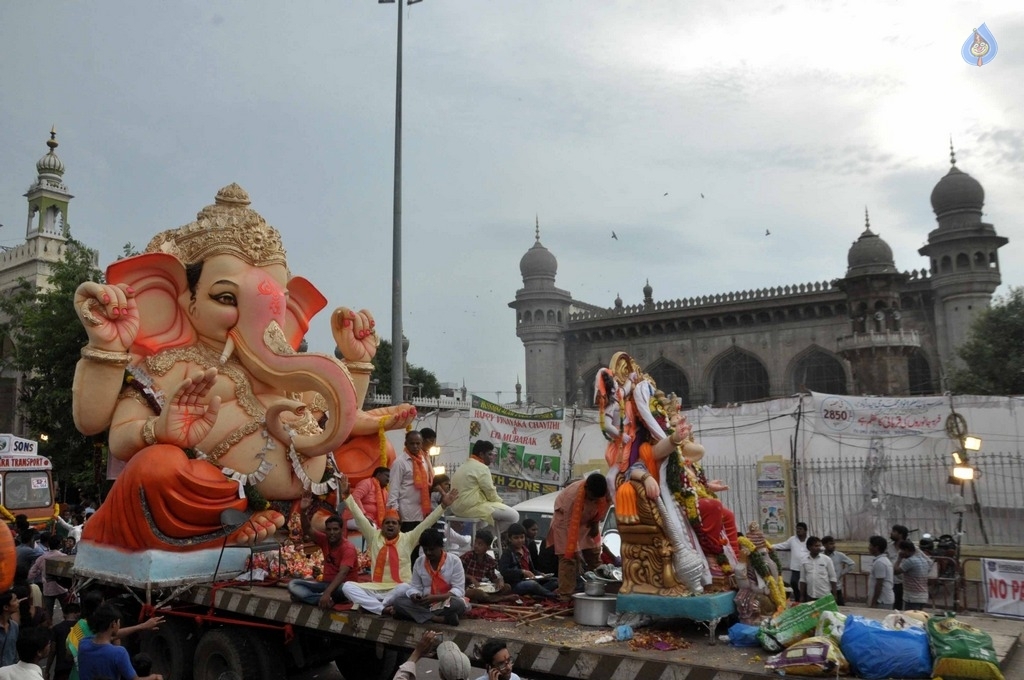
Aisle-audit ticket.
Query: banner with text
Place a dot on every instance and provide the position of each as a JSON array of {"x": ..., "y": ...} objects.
[
  {"x": 1004, "y": 587},
  {"x": 880, "y": 416},
  {"x": 529, "y": 445}
]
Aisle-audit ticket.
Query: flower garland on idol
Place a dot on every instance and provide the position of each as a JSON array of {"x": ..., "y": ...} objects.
[
  {"x": 776, "y": 588},
  {"x": 688, "y": 484}
]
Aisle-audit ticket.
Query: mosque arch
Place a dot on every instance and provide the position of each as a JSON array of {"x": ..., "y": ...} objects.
[
  {"x": 589, "y": 377},
  {"x": 527, "y": 317},
  {"x": 738, "y": 376},
  {"x": 670, "y": 379},
  {"x": 946, "y": 264},
  {"x": 920, "y": 373},
  {"x": 818, "y": 370},
  {"x": 963, "y": 261},
  {"x": 551, "y": 316}
]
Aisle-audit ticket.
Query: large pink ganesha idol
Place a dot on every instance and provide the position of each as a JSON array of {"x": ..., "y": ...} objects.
[{"x": 192, "y": 367}]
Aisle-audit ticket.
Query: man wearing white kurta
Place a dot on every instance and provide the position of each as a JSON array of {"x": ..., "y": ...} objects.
[
  {"x": 390, "y": 550},
  {"x": 478, "y": 499}
]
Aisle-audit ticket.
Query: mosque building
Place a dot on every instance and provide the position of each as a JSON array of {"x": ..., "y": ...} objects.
[
  {"x": 46, "y": 235},
  {"x": 875, "y": 331}
]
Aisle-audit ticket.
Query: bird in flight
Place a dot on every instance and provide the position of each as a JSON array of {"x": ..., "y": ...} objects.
[
  {"x": 767, "y": 232},
  {"x": 702, "y": 195},
  {"x": 614, "y": 236},
  {"x": 666, "y": 193}
]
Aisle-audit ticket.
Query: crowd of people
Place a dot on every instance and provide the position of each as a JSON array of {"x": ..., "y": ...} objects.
[
  {"x": 899, "y": 577},
  {"x": 46, "y": 630},
  {"x": 412, "y": 575}
]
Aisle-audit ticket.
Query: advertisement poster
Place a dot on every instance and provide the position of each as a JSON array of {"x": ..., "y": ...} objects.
[
  {"x": 529, "y": 446},
  {"x": 880, "y": 416},
  {"x": 1004, "y": 587},
  {"x": 773, "y": 498}
]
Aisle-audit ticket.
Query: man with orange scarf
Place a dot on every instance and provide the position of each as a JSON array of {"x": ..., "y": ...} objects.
[
  {"x": 389, "y": 548},
  {"x": 438, "y": 588},
  {"x": 576, "y": 529},
  {"x": 411, "y": 479},
  {"x": 371, "y": 496}
]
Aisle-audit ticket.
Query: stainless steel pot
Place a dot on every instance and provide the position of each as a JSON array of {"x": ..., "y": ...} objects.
[
  {"x": 594, "y": 588},
  {"x": 592, "y": 611}
]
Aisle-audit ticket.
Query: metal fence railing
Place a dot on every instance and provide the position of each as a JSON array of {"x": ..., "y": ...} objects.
[{"x": 852, "y": 499}]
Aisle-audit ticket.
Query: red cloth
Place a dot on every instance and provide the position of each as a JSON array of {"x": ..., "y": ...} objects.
[
  {"x": 388, "y": 553},
  {"x": 438, "y": 586},
  {"x": 342, "y": 555},
  {"x": 716, "y": 518},
  {"x": 184, "y": 498}
]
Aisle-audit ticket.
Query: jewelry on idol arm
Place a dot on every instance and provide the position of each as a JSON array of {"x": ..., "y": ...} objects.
[
  {"x": 149, "y": 431},
  {"x": 102, "y": 356},
  {"x": 359, "y": 367}
]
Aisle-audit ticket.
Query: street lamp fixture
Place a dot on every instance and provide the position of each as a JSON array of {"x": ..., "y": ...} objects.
[
  {"x": 43, "y": 437},
  {"x": 959, "y": 458},
  {"x": 964, "y": 473},
  {"x": 439, "y": 470},
  {"x": 434, "y": 450},
  {"x": 972, "y": 443}
]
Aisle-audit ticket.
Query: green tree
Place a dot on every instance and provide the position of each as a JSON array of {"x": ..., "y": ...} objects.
[
  {"x": 417, "y": 374},
  {"x": 47, "y": 337},
  {"x": 993, "y": 355}
]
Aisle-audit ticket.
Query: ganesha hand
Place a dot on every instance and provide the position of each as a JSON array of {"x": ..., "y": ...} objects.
[
  {"x": 190, "y": 413},
  {"x": 109, "y": 314},
  {"x": 651, "y": 487},
  {"x": 390, "y": 417},
  {"x": 354, "y": 334}
]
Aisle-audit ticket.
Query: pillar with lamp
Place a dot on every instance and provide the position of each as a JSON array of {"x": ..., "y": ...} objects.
[{"x": 963, "y": 472}]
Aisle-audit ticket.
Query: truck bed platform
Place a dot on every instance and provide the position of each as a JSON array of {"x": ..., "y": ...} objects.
[{"x": 549, "y": 648}]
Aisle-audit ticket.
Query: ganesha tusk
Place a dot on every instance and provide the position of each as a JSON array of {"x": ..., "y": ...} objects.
[{"x": 229, "y": 349}]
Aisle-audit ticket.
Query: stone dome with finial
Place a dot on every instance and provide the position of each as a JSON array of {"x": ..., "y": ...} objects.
[
  {"x": 538, "y": 260},
  {"x": 869, "y": 254},
  {"x": 957, "y": 191},
  {"x": 50, "y": 164}
]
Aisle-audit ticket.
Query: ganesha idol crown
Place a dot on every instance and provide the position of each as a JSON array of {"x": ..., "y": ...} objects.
[{"x": 228, "y": 227}]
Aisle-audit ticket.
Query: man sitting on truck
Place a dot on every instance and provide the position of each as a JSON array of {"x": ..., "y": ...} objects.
[
  {"x": 340, "y": 561},
  {"x": 438, "y": 587},
  {"x": 390, "y": 549}
]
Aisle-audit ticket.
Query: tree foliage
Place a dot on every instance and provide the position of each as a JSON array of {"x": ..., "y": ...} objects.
[
  {"x": 47, "y": 337},
  {"x": 417, "y": 375},
  {"x": 993, "y": 355}
]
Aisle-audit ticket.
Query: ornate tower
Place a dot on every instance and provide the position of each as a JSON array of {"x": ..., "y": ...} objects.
[
  {"x": 542, "y": 315},
  {"x": 48, "y": 198},
  {"x": 964, "y": 262},
  {"x": 877, "y": 347}
]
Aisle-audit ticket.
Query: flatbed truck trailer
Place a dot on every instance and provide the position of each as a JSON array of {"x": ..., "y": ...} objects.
[{"x": 255, "y": 632}]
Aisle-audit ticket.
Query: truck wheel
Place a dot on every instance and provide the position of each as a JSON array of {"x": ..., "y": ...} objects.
[
  {"x": 227, "y": 653},
  {"x": 361, "y": 662},
  {"x": 172, "y": 647}
]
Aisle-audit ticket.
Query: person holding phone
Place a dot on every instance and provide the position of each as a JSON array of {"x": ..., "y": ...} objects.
[{"x": 497, "y": 660}]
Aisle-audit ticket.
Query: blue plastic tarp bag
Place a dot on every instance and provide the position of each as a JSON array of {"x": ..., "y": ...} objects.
[
  {"x": 875, "y": 652},
  {"x": 742, "y": 635}
]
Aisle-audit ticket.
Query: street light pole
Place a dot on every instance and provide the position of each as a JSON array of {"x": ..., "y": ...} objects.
[{"x": 397, "y": 367}]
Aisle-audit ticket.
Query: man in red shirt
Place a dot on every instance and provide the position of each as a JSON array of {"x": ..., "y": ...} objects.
[{"x": 340, "y": 562}]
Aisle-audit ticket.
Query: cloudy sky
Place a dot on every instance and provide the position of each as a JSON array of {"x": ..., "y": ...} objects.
[{"x": 787, "y": 117}]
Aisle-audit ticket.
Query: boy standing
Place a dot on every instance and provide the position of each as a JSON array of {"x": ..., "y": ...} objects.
[
  {"x": 98, "y": 657},
  {"x": 880, "y": 595},
  {"x": 842, "y": 564},
  {"x": 817, "y": 575}
]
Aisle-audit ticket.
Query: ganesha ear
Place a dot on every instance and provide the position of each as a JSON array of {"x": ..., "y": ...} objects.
[
  {"x": 304, "y": 301},
  {"x": 159, "y": 281}
]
